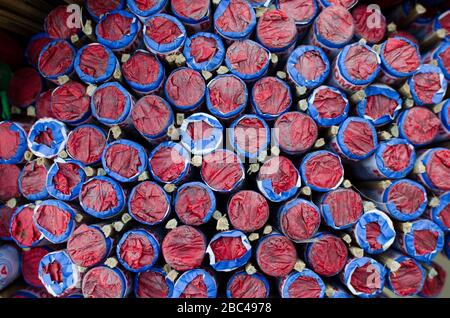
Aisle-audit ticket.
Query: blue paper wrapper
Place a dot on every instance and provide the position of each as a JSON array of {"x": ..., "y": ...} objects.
[
  {"x": 186, "y": 278},
  {"x": 214, "y": 62},
  {"x": 257, "y": 276},
  {"x": 405, "y": 241},
  {"x": 438, "y": 95},
  {"x": 232, "y": 264},
  {"x": 444, "y": 133},
  {"x": 144, "y": 14},
  {"x": 21, "y": 147},
  {"x": 436, "y": 55},
  {"x": 335, "y": 291},
  {"x": 134, "y": 146},
  {"x": 375, "y": 168},
  {"x": 385, "y": 238},
  {"x": 287, "y": 282},
  {"x": 69, "y": 274},
  {"x": 377, "y": 273},
  {"x": 51, "y": 183},
  {"x": 157, "y": 271},
  {"x": 144, "y": 234},
  {"x": 297, "y": 78},
  {"x": 424, "y": 177},
  {"x": 231, "y": 35},
  {"x": 69, "y": 227},
  {"x": 165, "y": 48},
  {"x": 111, "y": 66},
  {"x": 58, "y": 132},
  {"x": 211, "y": 196},
  {"x": 314, "y": 112},
  {"x": 436, "y": 217},
  {"x": 10, "y": 267},
  {"x": 204, "y": 146},
  {"x": 380, "y": 90}
]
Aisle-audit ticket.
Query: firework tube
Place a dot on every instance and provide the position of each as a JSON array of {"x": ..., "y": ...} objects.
[
  {"x": 271, "y": 97},
  {"x": 164, "y": 34},
  {"x": 249, "y": 135},
  {"x": 86, "y": 144},
  {"x": 355, "y": 67},
  {"x": 434, "y": 282},
  {"x": 232, "y": 29},
  {"x": 374, "y": 232},
  {"x": 304, "y": 284},
  {"x": 444, "y": 116},
  {"x": 328, "y": 106},
  {"x": 9, "y": 265},
  {"x": 322, "y": 171},
  {"x": 111, "y": 105},
  {"x": 341, "y": 208},
  {"x": 95, "y": 64},
  {"x": 124, "y": 160},
  {"x": 277, "y": 32},
  {"x": 400, "y": 58},
  {"x": 248, "y": 211},
  {"x": 428, "y": 85},
  {"x": 195, "y": 203},
  {"x": 144, "y": 113},
  {"x": 437, "y": 170},
  {"x": 105, "y": 282},
  {"x": 222, "y": 171},
  {"x": 64, "y": 179},
  {"x": 59, "y": 275},
  {"x": 364, "y": 277},
  {"x": 184, "y": 80},
  {"x": 102, "y": 197},
  {"x": 138, "y": 250},
  {"x": 35, "y": 45},
  {"x": 55, "y": 220},
  {"x": 381, "y": 104},
  {"x": 299, "y": 220},
  {"x": 326, "y": 254},
  {"x": 5, "y": 220},
  {"x": 147, "y": 8},
  {"x": 201, "y": 134},
  {"x": 441, "y": 213},
  {"x": 169, "y": 163},
  {"x": 120, "y": 31},
  {"x": 424, "y": 240},
  {"x": 303, "y": 12},
  {"x": 278, "y": 179},
  {"x": 195, "y": 283},
  {"x": 393, "y": 159},
  {"x": 47, "y": 138},
  {"x": 226, "y": 97},
  {"x": 56, "y": 61},
  {"x": 419, "y": 125},
  {"x": 370, "y": 23},
  {"x": 70, "y": 103},
  {"x": 9, "y": 187},
  {"x": 57, "y": 27},
  {"x": 153, "y": 283},
  {"x": 97, "y": 9},
  {"x": 143, "y": 72},
  {"x": 149, "y": 204},
  {"x": 195, "y": 15},
  {"x": 332, "y": 30},
  {"x": 13, "y": 143},
  {"x": 276, "y": 255},
  {"x": 204, "y": 52},
  {"x": 408, "y": 279},
  {"x": 442, "y": 56},
  {"x": 88, "y": 246},
  {"x": 184, "y": 248},
  {"x": 43, "y": 106},
  {"x": 356, "y": 139},
  {"x": 308, "y": 66},
  {"x": 30, "y": 265},
  {"x": 247, "y": 60},
  {"x": 443, "y": 22},
  {"x": 25, "y": 87},
  {"x": 243, "y": 285},
  {"x": 229, "y": 250}
]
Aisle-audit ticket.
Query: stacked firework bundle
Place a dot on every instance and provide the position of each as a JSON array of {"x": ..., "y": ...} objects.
[{"x": 289, "y": 148}]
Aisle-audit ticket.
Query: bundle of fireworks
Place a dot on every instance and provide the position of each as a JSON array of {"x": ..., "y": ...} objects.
[{"x": 234, "y": 148}]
